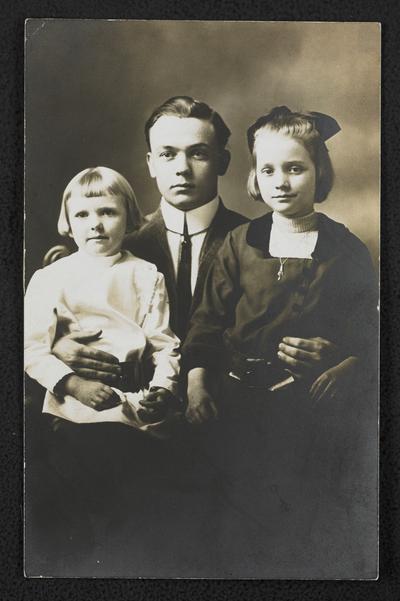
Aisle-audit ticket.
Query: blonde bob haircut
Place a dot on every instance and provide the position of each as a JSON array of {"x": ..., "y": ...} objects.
[
  {"x": 95, "y": 182},
  {"x": 312, "y": 129}
]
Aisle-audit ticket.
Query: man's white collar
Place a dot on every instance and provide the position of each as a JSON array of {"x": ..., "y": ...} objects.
[{"x": 198, "y": 219}]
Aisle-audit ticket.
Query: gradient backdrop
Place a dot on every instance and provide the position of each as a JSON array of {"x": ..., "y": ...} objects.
[{"x": 90, "y": 86}]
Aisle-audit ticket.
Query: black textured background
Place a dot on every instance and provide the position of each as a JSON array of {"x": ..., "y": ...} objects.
[{"x": 13, "y": 586}]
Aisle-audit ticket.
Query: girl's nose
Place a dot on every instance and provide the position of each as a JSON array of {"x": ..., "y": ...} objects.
[
  {"x": 97, "y": 225},
  {"x": 281, "y": 181}
]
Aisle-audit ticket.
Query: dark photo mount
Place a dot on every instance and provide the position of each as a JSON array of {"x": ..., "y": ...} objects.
[{"x": 13, "y": 583}]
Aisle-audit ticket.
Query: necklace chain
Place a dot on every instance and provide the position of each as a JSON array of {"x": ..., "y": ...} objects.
[{"x": 282, "y": 263}]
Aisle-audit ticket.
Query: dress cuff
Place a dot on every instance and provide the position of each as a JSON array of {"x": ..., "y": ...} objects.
[{"x": 57, "y": 376}]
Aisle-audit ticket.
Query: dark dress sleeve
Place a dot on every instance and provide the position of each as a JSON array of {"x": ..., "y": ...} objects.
[
  {"x": 204, "y": 343},
  {"x": 361, "y": 319}
]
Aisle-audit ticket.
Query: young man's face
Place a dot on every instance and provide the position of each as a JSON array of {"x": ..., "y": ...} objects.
[{"x": 185, "y": 161}]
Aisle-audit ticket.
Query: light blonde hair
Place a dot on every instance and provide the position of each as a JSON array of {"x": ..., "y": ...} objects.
[{"x": 100, "y": 181}]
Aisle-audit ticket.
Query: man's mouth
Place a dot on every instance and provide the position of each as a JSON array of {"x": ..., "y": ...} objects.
[{"x": 185, "y": 186}]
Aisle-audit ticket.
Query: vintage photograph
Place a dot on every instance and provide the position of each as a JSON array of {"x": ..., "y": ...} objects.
[{"x": 202, "y": 204}]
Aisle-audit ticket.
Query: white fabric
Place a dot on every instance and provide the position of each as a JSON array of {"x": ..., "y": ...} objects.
[
  {"x": 198, "y": 221},
  {"x": 123, "y": 296},
  {"x": 293, "y": 237}
]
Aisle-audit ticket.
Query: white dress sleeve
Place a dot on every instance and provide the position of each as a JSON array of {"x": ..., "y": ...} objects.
[
  {"x": 39, "y": 332},
  {"x": 162, "y": 342}
]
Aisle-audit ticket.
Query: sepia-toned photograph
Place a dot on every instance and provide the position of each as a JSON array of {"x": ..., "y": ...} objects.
[{"x": 202, "y": 209}]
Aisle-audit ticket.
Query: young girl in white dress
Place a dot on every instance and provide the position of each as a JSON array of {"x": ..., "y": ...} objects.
[{"x": 104, "y": 288}]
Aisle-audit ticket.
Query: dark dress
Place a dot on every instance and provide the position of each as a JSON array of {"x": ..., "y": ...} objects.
[{"x": 300, "y": 480}]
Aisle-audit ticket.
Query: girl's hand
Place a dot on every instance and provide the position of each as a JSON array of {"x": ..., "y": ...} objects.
[
  {"x": 336, "y": 382},
  {"x": 156, "y": 405},
  {"x": 96, "y": 395},
  {"x": 201, "y": 405},
  {"x": 306, "y": 356}
]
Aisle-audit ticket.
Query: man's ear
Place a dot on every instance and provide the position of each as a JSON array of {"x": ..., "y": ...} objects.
[
  {"x": 149, "y": 159},
  {"x": 224, "y": 160}
]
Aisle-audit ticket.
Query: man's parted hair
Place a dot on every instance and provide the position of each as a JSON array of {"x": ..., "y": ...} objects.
[
  {"x": 186, "y": 106},
  {"x": 100, "y": 181}
]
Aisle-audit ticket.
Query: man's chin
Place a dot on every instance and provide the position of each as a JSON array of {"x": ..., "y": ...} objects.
[{"x": 185, "y": 202}]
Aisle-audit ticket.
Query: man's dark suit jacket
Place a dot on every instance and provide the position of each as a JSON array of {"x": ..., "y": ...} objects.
[{"x": 150, "y": 243}]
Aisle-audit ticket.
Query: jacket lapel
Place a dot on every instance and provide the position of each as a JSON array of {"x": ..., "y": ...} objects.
[
  {"x": 213, "y": 240},
  {"x": 162, "y": 255}
]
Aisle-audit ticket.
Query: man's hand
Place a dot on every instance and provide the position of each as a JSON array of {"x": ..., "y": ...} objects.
[
  {"x": 156, "y": 405},
  {"x": 87, "y": 361},
  {"x": 96, "y": 395},
  {"x": 336, "y": 382},
  {"x": 201, "y": 405},
  {"x": 305, "y": 357}
]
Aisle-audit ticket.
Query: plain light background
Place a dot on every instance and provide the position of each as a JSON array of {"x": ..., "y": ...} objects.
[{"x": 91, "y": 85}]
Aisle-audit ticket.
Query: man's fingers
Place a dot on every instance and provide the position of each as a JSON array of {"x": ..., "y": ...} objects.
[
  {"x": 97, "y": 356},
  {"x": 207, "y": 410},
  {"x": 95, "y": 366},
  {"x": 307, "y": 344},
  {"x": 325, "y": 391},
  {"x": 102, "y": 376},
  {"x": 297, "y": 353},
  {"x": 292, "y": 362},
  {"x": 319, "y": 384}
]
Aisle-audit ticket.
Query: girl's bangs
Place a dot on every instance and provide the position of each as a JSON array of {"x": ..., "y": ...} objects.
[{"x": 94, "y": 184}]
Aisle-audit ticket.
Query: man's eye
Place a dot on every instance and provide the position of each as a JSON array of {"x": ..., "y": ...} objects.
[
  {"x": 167, "y": 154},
  {"x": 200, "y": 154}
]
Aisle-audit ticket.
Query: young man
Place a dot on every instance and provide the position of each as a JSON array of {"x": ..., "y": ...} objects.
[{"x": 186, "y": 141}]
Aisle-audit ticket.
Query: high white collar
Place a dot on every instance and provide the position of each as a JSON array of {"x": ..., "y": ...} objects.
[
  {"x": 296, "y": 225},
  {"x": 97, "y": 261},
  {"x": 197, "y": 220}
]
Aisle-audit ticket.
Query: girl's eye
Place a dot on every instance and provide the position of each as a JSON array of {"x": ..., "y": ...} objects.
[
  {"x": 267, "y": 170},
  {"x": 296, "y": 169},
  {"x": 108, "y": 212},
  {"x": 81, "y": 214}
]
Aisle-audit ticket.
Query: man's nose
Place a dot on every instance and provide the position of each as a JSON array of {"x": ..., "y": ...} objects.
[{"x": 182, "y": 164}]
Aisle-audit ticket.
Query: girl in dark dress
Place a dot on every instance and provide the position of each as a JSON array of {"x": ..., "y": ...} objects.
[{"x": 283, "y": 351}]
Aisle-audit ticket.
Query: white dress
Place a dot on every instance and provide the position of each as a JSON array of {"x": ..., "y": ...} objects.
[{"x": 123, "y": 296}]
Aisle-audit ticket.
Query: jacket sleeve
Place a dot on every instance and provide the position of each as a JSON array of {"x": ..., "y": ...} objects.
[
  {"x": 39, "y": 332},
  {"x": 204, "y": 345},
  {"x": 162, "y": 344},
  {"x": 361, "y": 320}
]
